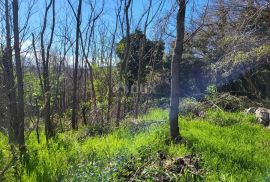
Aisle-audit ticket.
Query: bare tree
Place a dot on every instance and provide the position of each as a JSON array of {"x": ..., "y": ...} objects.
[
  {"x": 45, "y": 55},
  {"x": 123, "y": 69},
  {"x": 110, "y": 64},
  {"x": 175, "y": 71},
  {"x": 66, "y": 45},
  {"x": 148, "y": 21},
  {"x": 19, "y": 74},
  {"x": 37, "y": 64},
  {"x": 9, "y": 80},
  {"x": 86, "y": 50},
  {"x": 74, "y": 117}
]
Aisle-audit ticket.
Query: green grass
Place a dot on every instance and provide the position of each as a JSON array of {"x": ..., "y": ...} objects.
[
  {"x": 231, "y": 147},
  {"x": 233, "y": 153}
]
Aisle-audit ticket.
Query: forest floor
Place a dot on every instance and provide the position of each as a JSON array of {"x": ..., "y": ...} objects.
[{"x": 217, "y": 147}]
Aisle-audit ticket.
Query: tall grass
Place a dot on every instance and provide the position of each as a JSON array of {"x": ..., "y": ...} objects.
[{"x": 231, "y": 147}]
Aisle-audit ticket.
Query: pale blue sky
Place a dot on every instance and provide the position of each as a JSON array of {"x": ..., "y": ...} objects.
[{"x": 63, "y": 10}]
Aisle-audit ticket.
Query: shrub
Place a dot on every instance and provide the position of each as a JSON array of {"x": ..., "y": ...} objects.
[
  {"x": 222, "y": 118},
  {"x": 191, "y": 106}
]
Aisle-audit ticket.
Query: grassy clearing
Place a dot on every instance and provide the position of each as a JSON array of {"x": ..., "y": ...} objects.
[
  {"x": 238, "y": 152},
  {"x": 231, "y": 147}
]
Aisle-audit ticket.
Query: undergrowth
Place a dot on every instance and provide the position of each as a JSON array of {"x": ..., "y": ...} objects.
[{"x": 231, "y": 147}]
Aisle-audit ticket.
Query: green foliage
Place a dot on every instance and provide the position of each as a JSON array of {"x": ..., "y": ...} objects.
[
  {"x": 228, "y": 102},
  {"x": 152, "y": 55},
  {"x": 156, "y": 114},
  {"x": 228, "y": 40},
  {"x": 261, "y": 51},
  {"x": 231, "y": 147},
  {"x": 256, "y": 53},
  {"x": 72, "y": 156},
  {"x": 240, "y": 56},
  {"x": 4, "y": 152},
  {"x": 222, "y": 118},
  {"x": 238, "y": 152},
  {"x": 32, "y": 86},
  {"x": 232, "y": 49},
  {"x": 211, "y": 90},
  {"x": 190, "y": 106}
]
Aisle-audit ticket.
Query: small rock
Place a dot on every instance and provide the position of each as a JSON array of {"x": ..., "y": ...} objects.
[
  {"x": 263, "y": 116},
  {"x": 201, "y": 114},
  {"x": 251, "y": 110}
]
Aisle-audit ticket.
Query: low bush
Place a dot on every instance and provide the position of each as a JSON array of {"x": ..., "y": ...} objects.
[
  {"x": 222, "y": 118},
  {"x": 191, "y": 106}
]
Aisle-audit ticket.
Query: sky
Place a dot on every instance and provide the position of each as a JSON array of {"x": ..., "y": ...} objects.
[
  {"x": 62, "y": 8},
  {"x": 64, "y": 14}
]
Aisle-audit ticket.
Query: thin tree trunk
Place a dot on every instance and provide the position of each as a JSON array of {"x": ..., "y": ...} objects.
[
  {"x": 141, "y": 57},
  {"x": 19, "y": 74},
  {"x": 37, "y": 64},
  {"x": 85, "y": 82},
  {"x": 252, "y": 86},
  {"x": 49, "y": 130},
  {"x": 38, "y": 119},
  {"x": 138, "y": 98},
  {"x": 123, "y": 69},
  {"x": 74, "y": 119},
  {"x": 110, "y": 67},
  {"x": 175, "y": 72},
  {"x": 86, "y": 55}
]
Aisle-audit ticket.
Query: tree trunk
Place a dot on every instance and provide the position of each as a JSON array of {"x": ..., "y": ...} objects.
[
  {"x": 37, "y": 64},
  {"x": 138, "y": 98},
  {"x": 19, "y": 74},
  {"x": 110, "y": 68},
  {"x": 175, "y": 74},
  {"x": 45, "y": 54},
  {"x": 74, "y": 119},
  {"x": 141, "y": 59},
  {"x": 93, "y": 91},
  {"x": 9, "y": 81},
  {"x": 123, "y": 69}
]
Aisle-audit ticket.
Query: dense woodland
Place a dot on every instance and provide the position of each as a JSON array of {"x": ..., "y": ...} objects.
[{"x": 91, "y": 91}]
